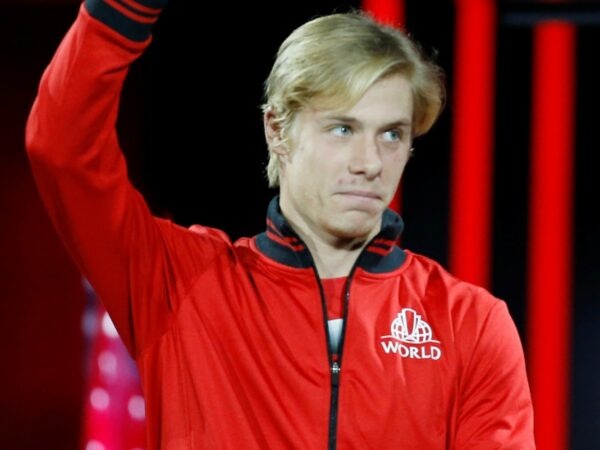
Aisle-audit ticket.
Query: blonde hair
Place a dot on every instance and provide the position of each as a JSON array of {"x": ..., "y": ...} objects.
[{"x": 330, "y": 62}]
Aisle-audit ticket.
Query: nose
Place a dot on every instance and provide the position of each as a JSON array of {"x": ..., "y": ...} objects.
[{"x": 366, "y": 158}]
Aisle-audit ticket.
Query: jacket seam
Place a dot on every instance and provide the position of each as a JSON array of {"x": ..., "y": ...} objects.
[{"x": 183, "y": 297}]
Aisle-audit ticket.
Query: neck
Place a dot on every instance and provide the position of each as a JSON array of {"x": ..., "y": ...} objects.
[
  {"x": 333, "y": 262},
  {"x": 333, "y": 257}
]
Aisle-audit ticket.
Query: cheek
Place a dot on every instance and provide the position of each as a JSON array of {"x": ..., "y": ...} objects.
[
  {"x": 400, "y": 157},
  {"x": 396, "y": 164}
]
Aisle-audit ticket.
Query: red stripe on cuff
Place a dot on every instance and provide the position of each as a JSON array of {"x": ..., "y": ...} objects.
[{"x": 130, "y": 14}]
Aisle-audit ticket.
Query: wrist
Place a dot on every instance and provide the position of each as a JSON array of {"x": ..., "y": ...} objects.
[{"x": 131, "y": 18}]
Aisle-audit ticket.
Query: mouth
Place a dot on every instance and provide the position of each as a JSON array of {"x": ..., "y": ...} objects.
[
  {"x": 366, "y": 195},
  {"x": 367, "y": 201}
]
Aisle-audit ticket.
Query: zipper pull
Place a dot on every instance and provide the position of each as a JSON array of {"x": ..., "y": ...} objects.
[{"x": 335, "y": 373}]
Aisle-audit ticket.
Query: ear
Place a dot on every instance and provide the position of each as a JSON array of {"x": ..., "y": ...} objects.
[{"x": 273, "y": 131}]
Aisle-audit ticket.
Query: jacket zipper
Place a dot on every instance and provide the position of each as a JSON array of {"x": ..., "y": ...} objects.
[
  {"x": 335, "y": 366},
  {"x": 333, "y": 408}
]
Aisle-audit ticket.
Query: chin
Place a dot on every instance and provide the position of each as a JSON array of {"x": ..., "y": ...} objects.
[{"x": 353, "y": 228}]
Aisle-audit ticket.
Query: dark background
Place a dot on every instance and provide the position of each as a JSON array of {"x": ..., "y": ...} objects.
[{"x": 191, "y": 130}]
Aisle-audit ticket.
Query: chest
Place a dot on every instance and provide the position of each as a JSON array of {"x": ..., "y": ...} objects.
[{"x": 393, "y": 332}]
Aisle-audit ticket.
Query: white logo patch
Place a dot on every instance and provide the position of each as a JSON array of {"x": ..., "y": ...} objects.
[{"x": 411, "y": 337}]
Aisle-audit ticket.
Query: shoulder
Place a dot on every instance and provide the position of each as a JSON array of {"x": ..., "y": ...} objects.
[
  {"x": 435, "y": 281},
  {"x": 193, "y": 243},
  {"x": 201, "y": 231},
  {"x": 473, "y": 325},
  {"x": 464, "y": 312}
]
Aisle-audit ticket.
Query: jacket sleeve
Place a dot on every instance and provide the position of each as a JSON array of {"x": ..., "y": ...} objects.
[
  {"x": 139, "y": 265},
  {"x": 495, "y": 409}
]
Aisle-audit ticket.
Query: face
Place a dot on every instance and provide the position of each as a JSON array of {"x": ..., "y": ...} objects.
[{"x": 344, "y": 166}]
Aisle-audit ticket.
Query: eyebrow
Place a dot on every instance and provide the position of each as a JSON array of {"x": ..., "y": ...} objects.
[{"x": 354, "y": 121}]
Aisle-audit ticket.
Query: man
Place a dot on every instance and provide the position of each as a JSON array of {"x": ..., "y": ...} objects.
[{"x": 320, "y": 332}]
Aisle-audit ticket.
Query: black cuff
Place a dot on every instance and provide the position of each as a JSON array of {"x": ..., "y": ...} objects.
[{"x": 131, "y": 18}]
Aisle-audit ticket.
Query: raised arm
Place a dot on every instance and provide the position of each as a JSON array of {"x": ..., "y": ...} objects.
[{"x": 133, "y": 260}]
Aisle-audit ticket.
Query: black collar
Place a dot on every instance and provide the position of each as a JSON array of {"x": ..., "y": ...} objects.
[{"x": 281, "y": 243}]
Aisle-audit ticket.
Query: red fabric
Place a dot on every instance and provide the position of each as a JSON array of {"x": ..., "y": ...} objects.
[
  {"x": 230, "y": 344},
  {"x": 334, "y": 295}
]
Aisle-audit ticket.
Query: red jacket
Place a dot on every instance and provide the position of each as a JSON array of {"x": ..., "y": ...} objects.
[{"x": 230, "y": 339}]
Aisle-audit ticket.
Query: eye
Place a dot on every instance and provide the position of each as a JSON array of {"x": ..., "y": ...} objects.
[
  {"x": 341, "y": 130},
  {"x": 392, "y": 135}
]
